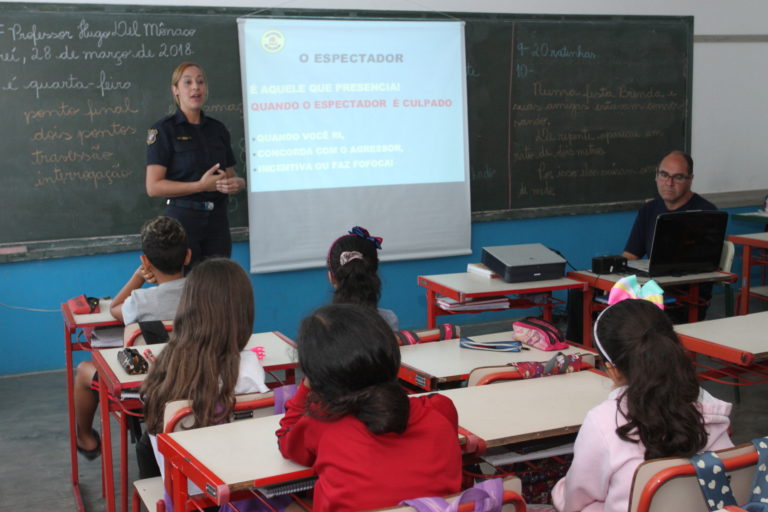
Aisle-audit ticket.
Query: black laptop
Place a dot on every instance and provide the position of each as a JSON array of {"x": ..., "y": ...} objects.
[{"x": 688, "y": 242}]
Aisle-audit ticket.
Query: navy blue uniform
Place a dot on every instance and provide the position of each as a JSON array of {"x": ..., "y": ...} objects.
[
  {"x": 641, "y": 236},
  {"x": 187, "y": 151}
]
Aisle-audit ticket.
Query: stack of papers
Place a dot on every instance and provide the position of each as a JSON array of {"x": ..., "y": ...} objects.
[
  {"x": 107, "y": 337},
  {"x": 487, "y": 303},
  {"x": 479, "y": 269}
]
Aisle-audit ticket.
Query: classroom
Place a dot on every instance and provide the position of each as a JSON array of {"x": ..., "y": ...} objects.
[{"x": 726, "y": 113}]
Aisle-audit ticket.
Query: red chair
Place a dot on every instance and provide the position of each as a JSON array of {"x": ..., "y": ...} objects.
[{"x": 670, "y": 484}]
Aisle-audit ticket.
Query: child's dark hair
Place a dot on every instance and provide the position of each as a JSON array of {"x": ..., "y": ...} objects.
[
  {"x": 353, "y": 262},
  {"x": 201, "y": 362},
  {"x": 351, "y": 359},
  {"x": 638, "y": 339},
  {"x": 164, "y": 242}
]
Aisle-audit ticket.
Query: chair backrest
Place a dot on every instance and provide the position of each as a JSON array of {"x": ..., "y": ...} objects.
[
  {"x": 132, "y": 333},
  {"x": 488, "y": 374},
  {"x": 442, "y": 332},
  {"x": 513, "y": 501},
  {"x": 726, "y": 257},
  {"x": 177, "y": 414},
  {"x": 662, "y": 485}
]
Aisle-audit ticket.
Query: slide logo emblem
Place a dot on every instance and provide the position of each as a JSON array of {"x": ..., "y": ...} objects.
[{"x": 272, "y": 41}]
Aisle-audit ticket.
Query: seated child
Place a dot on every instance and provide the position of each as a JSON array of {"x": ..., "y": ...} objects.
[
  {"x": 369, "y": 443},
  {"x": 657, "y": 409},
  {"x": 164, "y": 247},
  {"x": 205, "y": 360},
  {"x": 353, "y": 265}
]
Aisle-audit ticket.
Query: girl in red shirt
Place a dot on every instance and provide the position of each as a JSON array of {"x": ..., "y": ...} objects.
[{"x": 370, "y": 444}]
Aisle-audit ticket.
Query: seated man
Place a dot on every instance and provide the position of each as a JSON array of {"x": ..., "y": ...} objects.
[
  {"x": 673, "y": 183},
  {"x": 674, "y": 178}
]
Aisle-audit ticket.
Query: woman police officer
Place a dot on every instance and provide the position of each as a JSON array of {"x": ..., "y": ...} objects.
[{"x": 190, "y": 163}]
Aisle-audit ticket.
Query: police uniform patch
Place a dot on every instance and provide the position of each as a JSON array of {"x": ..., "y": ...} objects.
[{"x": 151, "y": 137}]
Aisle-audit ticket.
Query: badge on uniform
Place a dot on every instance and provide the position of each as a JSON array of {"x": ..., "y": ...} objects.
[{"x": 151, "y": 137}]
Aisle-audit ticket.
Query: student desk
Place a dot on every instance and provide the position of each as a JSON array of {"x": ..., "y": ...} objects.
[
  {"x": 429, "y": 365},
  {"x": 750, "y": 241},
  {"x": 741, "y": 342},
  {"x": 521, "y": 410},
  {"x": 77, "y": 330},
  {"x": 466, "y": 285},
  {"x": 605, "y": 282},
  {"x": 114, "y": 383},
  {"x": 224, "y": 459}
]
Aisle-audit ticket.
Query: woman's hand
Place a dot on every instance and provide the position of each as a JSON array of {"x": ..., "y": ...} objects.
[
  {"x": 208, "y": 181},
  {"x": 230, "y": 185}
]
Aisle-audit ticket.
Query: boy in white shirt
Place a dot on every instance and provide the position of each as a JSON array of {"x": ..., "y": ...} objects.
[{"x": 165, "y": 253}]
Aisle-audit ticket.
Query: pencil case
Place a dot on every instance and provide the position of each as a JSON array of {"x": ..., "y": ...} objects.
[
  {"x": 82, "y": 305},
  {"x": 495, "y": 346},
  {"x": 538, "y": 333},
  {"x": 132, "y": 362},
  {"x": 559, "y": 363}
]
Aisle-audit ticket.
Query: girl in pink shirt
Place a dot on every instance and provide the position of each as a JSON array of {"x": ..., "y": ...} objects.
[{"x": 656, "y": 410}]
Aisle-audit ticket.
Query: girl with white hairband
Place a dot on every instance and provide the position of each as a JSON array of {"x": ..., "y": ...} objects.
[
  {"x": 657, "y": 408},
  {"x": 353, "y": 270}
]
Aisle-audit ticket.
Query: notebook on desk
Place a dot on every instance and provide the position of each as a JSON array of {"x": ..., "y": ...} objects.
[{"x": 684, "y": 243}]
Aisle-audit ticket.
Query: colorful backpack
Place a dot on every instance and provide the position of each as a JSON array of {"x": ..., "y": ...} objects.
[{"x": 715, "y": 485}]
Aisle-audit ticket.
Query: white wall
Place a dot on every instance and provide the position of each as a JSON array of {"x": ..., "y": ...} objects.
[{"x": 730, "y": 97}]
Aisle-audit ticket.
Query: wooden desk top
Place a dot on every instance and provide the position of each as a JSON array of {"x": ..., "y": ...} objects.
[
  {"x": 241, "y": 453},
  {"x": 446, "y": 360},
  {"x": 737, "y": 339},
  {"x": 103, "y": 317},
  {"x": 468, "y": 284},
  {"x": 279, "y": 354},
  {"x": 705, "y": 277},
  {"x": 752, "y": 239},
  {"x": 520, "y": 410}
]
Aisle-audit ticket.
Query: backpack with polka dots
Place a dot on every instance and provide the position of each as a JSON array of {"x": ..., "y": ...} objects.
[{"x": 715, "y": 484}]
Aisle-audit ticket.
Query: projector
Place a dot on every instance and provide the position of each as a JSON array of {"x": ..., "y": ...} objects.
[{"x": 524, "y": 262}]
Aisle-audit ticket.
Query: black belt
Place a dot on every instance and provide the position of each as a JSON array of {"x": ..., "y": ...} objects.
[{"x": 205, "y": 206}]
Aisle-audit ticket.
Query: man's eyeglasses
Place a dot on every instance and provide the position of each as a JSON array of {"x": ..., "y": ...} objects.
[{"x": 677, "y": 178}]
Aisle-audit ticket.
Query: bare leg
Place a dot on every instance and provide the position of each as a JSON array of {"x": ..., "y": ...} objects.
[{"x": 86, "y": 402}]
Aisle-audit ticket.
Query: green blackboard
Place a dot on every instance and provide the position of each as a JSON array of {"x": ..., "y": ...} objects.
[
  {"x": 566, "y": 113},
  {"x": 574, "y": 111},
  {"x": 78, "y": 90}
]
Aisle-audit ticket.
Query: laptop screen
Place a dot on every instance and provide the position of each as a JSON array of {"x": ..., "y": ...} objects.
[{"x": 687, "y": 242}]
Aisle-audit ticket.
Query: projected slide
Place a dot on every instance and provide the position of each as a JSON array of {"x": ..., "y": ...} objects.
[{"x": 360, "y": 103}]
